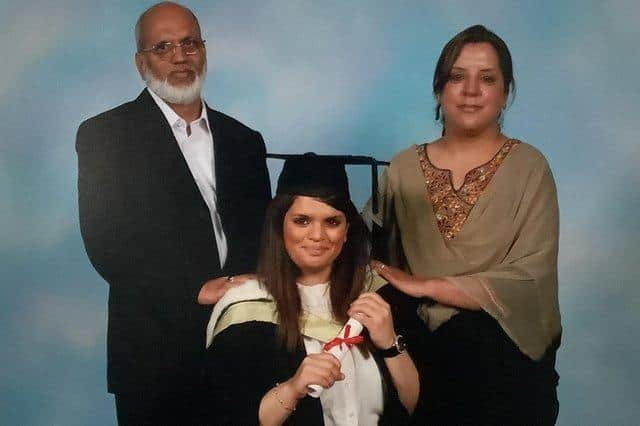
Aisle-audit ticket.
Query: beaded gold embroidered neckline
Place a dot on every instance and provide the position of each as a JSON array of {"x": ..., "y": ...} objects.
[{"x": 451, "y": 207}]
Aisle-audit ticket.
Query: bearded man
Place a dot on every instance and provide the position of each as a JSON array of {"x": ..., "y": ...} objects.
[{"x": 172, "y": 196}]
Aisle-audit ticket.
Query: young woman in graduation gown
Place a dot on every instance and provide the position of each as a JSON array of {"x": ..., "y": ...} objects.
[
  {"x": 266, "y": 337},
  {"x": 470, "y": 224}
]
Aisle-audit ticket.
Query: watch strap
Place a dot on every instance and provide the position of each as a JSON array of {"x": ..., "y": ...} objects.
[{"x": 396, "y": 349}]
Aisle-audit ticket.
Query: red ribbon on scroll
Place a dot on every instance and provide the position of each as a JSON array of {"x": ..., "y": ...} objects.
[{"x": 349, "y": 341}]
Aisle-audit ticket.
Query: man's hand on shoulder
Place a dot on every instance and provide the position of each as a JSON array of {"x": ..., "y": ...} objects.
[{"x": 214, "y": 289}]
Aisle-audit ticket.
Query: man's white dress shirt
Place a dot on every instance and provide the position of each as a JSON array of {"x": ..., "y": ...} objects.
[{"x": 197, "y": 149}]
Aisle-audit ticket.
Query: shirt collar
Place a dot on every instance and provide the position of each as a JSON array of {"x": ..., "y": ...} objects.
[{"x": 171, "y": 115}]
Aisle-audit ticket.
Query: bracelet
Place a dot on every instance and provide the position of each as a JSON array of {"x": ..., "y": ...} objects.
[{"x": 277, "y": 395}]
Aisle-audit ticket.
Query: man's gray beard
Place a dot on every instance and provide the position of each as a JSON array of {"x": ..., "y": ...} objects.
[{"x": 180, "y": 95}]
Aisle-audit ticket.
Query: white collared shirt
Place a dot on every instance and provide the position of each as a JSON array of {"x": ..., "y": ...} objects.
[
  {"x": 358, "y": 399},
  {"x": 197, "y": 150}
]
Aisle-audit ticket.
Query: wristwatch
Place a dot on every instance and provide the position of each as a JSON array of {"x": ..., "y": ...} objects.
[{"x": 398, "y": 347}]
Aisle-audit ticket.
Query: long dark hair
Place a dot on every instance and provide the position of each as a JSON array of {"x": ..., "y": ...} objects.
[
  {"x": 278, "y": 272},
  {"x": 451, "y": 51}
]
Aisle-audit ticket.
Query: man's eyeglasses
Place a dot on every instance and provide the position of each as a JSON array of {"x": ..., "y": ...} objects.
[{"x": 189, "y": 46}]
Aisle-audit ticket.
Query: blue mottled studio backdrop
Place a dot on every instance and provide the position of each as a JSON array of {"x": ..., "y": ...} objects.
[{"x": 334, "y": 77}]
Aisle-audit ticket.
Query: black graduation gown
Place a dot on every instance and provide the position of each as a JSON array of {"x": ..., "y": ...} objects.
[{"x": 246, "y": 360}]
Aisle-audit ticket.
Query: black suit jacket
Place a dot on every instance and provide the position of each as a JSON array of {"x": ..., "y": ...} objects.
[{"x": 148, "y": 233}]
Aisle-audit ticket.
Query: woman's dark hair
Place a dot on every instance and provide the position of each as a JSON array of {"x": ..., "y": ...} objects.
[
  {"x": 278, "y": 272},
  {"x": 451, "y": 51}
]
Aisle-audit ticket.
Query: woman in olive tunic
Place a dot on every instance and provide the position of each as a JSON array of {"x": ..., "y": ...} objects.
[{"x": 470, "y": 223}]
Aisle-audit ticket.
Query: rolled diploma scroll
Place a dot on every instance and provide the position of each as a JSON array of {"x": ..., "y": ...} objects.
[{"x": 339, "y": 346}]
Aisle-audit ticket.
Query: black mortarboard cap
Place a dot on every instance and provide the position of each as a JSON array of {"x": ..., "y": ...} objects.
[
  {"x": 313, "y": 175},
  {"x": 322, "y": 175}
]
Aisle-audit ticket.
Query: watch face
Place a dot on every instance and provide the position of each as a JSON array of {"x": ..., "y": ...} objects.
[{"x": 401, "y": 344}]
